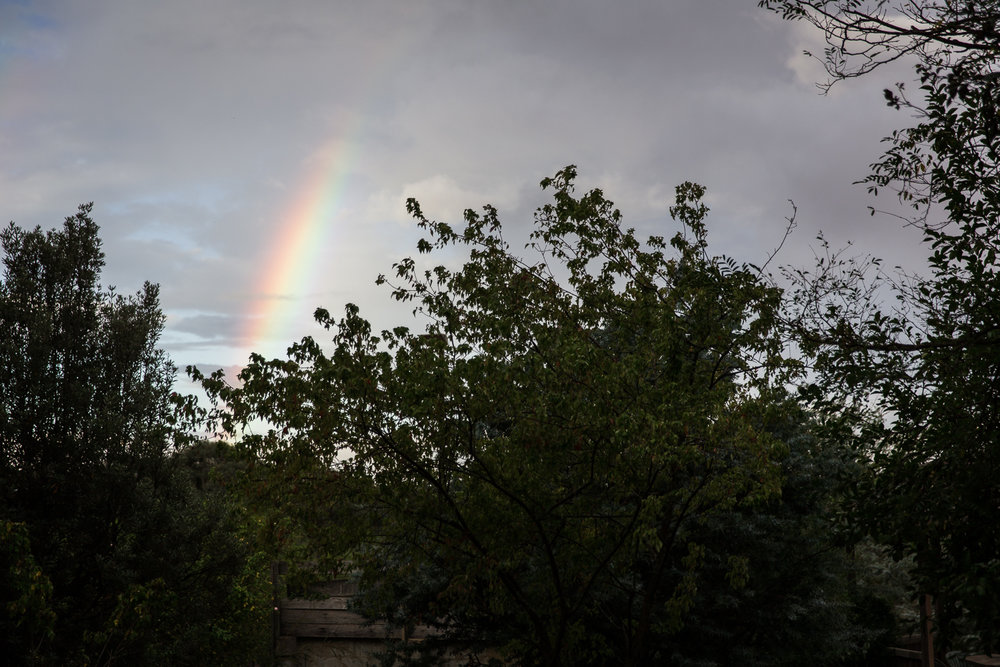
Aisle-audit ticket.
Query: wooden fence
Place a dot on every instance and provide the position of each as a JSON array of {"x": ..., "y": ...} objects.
[{"x": 323, "y": 632}]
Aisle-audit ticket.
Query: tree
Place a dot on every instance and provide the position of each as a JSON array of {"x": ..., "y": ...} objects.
[
  {"x": 813, "y": 594},
  {"x": 83, "y": 404},
  {"x": 208, "y": 596},
  {"x": 863, "y": 35},
  {"x": 105, "y": 542},
  {"x": 926, "y": 370},
  {"x": 530, "y": 470}
]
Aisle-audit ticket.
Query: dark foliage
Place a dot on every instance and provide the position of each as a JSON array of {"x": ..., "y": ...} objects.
[{"x": 134, "y": 563}]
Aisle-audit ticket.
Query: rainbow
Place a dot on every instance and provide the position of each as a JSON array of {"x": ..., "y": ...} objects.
[
  {"x": 303, "y": 234},
  {"x": 281, "y": 309}
]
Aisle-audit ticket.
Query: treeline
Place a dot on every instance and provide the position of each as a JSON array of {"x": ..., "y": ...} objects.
[{"x": 600, "y": 450}]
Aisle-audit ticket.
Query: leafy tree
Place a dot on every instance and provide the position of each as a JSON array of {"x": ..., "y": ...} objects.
[
  {"x": 198, "y": 589},
  {"x": 112, "y": 555},
  {"x": 923, "y": 374},
  {"x": 532, "y": 470}
]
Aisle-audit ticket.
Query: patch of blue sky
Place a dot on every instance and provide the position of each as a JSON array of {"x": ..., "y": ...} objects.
[
  {"x": 36, "y": 21},
  {"x": 23, "y": 33}
]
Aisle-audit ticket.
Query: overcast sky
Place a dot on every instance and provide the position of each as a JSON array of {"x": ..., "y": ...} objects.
[{"x": 253, "y": 157}]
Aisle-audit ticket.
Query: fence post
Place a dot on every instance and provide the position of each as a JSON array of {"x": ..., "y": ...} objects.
[
  {"x": 276, "y": 571},
  {"x": 926, "y": 631}
]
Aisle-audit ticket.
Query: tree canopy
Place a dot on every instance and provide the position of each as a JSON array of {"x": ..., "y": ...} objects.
[{"x": 537, "y": 469}]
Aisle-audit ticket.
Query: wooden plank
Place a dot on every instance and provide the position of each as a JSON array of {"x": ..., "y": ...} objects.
[
  {"x": 337, "y": 587},
  {"x": 361, "y": 630},
  {"x": 326, "y": 603},
  {"x": 337, "y": 631},
  {"x": 330, "y": 623},
  {"x": 902, "y": 657},
  {"x": 335, "y": 623},
  {"x": 323, "y": 616}
]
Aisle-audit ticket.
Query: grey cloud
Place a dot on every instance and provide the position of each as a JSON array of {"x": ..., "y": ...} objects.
[{"x": 194, "y": 126}]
